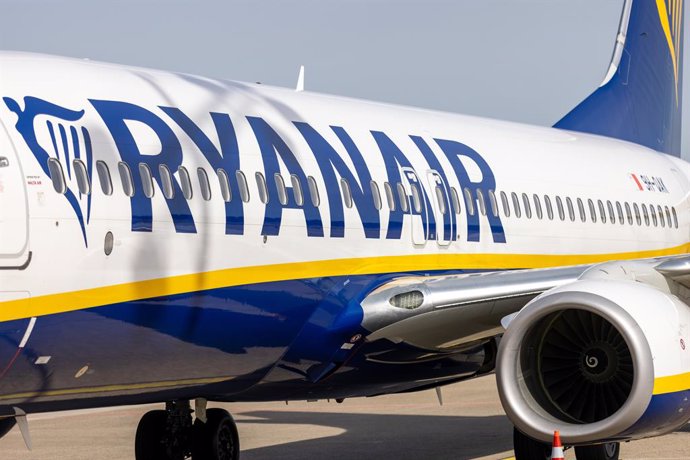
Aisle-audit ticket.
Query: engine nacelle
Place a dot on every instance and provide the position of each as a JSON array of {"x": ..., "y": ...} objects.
[{"x": 600, "y": 359}]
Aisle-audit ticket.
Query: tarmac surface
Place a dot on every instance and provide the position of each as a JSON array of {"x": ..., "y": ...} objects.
[{"x": 469, "y": 425}]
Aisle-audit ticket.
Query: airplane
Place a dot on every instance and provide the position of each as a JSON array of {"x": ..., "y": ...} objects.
[{"x": 168, "y": 238}]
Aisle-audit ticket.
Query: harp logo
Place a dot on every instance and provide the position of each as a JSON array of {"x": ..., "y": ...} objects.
[
  {"x": 52, "y": 131},
  {"x": 671, "y": 16}
]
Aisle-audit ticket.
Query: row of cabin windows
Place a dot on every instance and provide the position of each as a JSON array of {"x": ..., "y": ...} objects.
[
  {"x": 394, "y": 195},
  {"x": 633, "y": 214}
]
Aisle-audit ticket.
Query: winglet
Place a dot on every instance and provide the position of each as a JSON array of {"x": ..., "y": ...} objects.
[
  {"x": 20, "y": 417},
  {"x": 300, "y": 80}
]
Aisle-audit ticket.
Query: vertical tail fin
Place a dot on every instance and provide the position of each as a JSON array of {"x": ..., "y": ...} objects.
[{"x": 641, "y": 98}]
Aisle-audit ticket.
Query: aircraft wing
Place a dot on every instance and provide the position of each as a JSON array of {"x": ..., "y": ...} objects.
[{"x": 444, "y": 314}]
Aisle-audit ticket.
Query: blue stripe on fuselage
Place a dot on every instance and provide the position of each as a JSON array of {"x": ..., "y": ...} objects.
[
  {"x": 665, "y": 413},
  {"x": 238, "y": 332}
]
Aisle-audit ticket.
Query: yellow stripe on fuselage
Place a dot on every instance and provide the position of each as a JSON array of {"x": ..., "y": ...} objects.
[
  {"x": 139, "y": 290},
  {"x": 672, "y": 384}
]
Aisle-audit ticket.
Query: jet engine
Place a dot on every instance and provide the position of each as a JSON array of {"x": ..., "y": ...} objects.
[{"x": 601, "y": 359}]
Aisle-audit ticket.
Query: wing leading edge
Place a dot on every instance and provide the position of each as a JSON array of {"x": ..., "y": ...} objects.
[{"x": 446, "y": 314}]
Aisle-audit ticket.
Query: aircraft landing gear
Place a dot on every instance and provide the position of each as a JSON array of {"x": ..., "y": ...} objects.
[
  {"x": 527, "y": 448},
  {"x": 170, "y": 434},
  {"x": 217, "y": 439},
  {"x": 6, "y": 424},
  {"x": 608, "y": 451}
]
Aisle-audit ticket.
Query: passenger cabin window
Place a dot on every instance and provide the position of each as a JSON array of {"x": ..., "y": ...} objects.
[
  {"x": 516, "y": 205},
  {"x": 297, "y": 190},
  {"x": 675, "y": 217},
  {"x": 528, "y": 208},
  {"x": 612, "y": 215},
  {"x": 537, "y": 207},
  {"x": 83, "y": 181},
  {"x": 167, "y": 182},
  {"x": 561, "y": 210},
  {"x": 314, "y": 191},
  {"x": 404, "y": 205},
  {"x": 482, "y": 202},
  {"x": 469, "y": 202},
  {"x": 224, "y": 183},
  {"x": 652, "y": 213},
  {"x": 661, "y": 216},
  {"x": 628, "y": 213},
  {"x": 549, "y": 208},
  {"x": 390, "y": 196},
  {"x": 602, "y": 211},
  {"x": 493, "y": 203},
  {"x": 261, "y": 185},
  {"x": 506, "y": 205},
  {"x": 440, "y": 200},
  {"x": 204, "y": 184},
  {"x": 376, "y": 195},
  {"x": 280, "y": 187},
  {"x": 571, "y": 210},
  {"x": 638, "y": 216},
  {"x": 581, "y": 210},
  {"x": 592, "y": 211},
  {"x": 243, "y": 186},
  {"x": 104, "y": 177},
  {"x": 668, "y": 217},
  {"x": 347, "y": 193},
  {"x": 185, "y": 182},
  {"x": 126, "y": 178},
  {"x": 57, "y": 176},
  {"x": 619, "y": 208},
  {"x": 416, "y": 198},
  {"x": 146, "y": 180},
  {"x": 456, "y": 200},
  {"x": 645, "y": 214}
]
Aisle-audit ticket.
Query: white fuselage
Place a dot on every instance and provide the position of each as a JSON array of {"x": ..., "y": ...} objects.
[{"x": 522, "y": 159}]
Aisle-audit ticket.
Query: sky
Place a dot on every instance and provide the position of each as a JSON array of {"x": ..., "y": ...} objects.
[{"x": 522, "y": 60}]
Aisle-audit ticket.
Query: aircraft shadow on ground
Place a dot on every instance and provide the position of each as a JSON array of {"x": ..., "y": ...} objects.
[{"x": 376, "y": 436}]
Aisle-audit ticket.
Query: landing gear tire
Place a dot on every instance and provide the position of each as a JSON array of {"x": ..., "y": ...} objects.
[
  {"x": 527, "y": 448},
  {"x": 608, "y": 451},
  {"x": 6, "y": 425},
  {"x": 149, "y": 442},
  {"x": 217, "y": 439}
]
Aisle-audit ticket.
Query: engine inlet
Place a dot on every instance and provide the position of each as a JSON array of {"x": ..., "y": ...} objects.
[{"x": 584, "y": 368}]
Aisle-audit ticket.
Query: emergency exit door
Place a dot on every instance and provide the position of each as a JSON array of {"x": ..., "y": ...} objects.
[
  {"x": 413, "y": 202},
  {"x": 14, "y": 215},
  {"x": 443, "y": 213}
]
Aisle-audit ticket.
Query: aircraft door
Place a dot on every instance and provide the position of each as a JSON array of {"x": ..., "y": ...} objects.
[
  {"x": 413, "y": 200},
  {"x": 14, "y": 213},
  {"x": 443, "y": 213}
]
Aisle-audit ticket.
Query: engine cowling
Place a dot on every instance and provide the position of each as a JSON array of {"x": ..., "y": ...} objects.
[{"x": 599, "y": 359}]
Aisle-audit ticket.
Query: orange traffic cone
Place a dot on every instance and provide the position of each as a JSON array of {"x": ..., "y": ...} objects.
[{"x": 557, "y": 449}]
